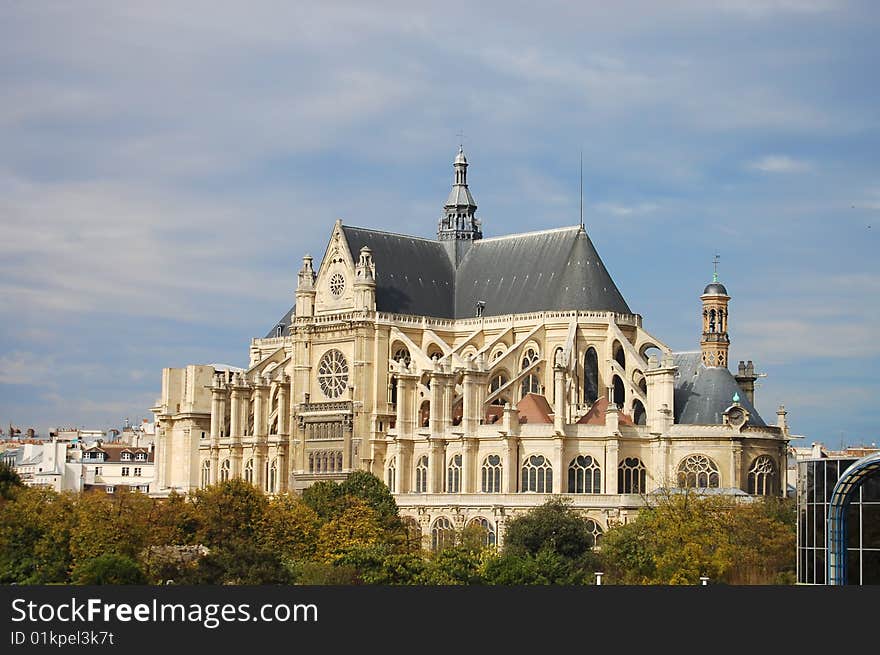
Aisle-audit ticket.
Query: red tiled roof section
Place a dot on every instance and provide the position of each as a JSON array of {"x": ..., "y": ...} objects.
[
  {"x": 534, "y": 409},
  {"x": 596, "y": 415}
]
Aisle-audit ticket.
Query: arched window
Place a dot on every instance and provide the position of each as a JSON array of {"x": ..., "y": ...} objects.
[
  {"x": 639, "y": 416},
  {"x": 762, "y": 477},
  {"x": 453, "y": 475},
  {"x": 530, "y": 356},
  {"x": 339, "y": 461},
  {"x": 619, "y": 396},
  {"x": 491, "y": 483},
  {"x": 489, "y": 537},
  {"x": 402, "y": 353},
  {"x": 422, "y": 475},
  {"x": 631, "y": 476},
  {"x": 495, "y": 384},
  {"x": 442, "y": 534},
  {"x": 249, "y": 471},
  {"x": 698, "y": 472},
  {"x": 311, "y": 463},
  {"x": 530, "y": 384},
  {"x": 225, "y": 469},
  {"x": 273, "y": 476},
  {"x": 584, "y": 476},
  {"x": 594, "y": 530},
  {"x": 537, "y": 475},
  {"x": 591, "y": 376},
  {"x": 391, "y": 475},
  {"x": 711, "y": 320},
  {"x": 206, "y": 473}
]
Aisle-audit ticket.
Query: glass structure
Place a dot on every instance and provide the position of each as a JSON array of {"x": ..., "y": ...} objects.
[{"x": 816, "y": 480}]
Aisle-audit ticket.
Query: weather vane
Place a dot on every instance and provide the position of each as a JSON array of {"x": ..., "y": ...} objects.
[{"x": 460, "y": 136}]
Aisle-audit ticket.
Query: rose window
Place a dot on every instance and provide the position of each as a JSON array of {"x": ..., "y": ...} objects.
[
  {"x": 337, "y": 284},
  {"x": 333, "y": 374}
]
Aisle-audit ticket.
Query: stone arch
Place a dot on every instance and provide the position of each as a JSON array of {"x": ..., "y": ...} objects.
[{"x": 617, "y": 354}]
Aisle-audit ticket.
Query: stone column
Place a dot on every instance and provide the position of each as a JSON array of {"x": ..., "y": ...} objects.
[
  {"x": 560, "y": 404},
  {"x": 469, "y": 464},
  {"x": 218, "y": 407},
  {"x": 474, "y": 391},
  {"x": 436, "y": 465},
  {"x": 736, "y": 452},
  {"x": 610, "y": 472},
  {"x": 261, "y": 446}
]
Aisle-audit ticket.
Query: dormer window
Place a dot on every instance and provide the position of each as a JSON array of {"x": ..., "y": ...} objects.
[
  {"x": 125, "y": 457},
  {"x": 140, "y": 457},
  {"x": 279, "y": 329}
]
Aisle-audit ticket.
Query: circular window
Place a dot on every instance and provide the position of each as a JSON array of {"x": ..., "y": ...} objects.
[
  {"x": 337, "y": 284},
  {"x": 333, "y": 373}
]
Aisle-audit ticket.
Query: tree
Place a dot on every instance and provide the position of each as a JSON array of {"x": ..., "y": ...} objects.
[
  {"x": 10, "y": 481},
  {"x": 683, "y": 536},
  {"x": 324, "y": 498},
  {"x": 357, "y": 526},
  {"x": 104, "y": 523},
  {"x": 109, "y": 568},
  {"x": 369, "y": 488},
  {"x": 289, "y": 527},
  {"x": 554, "y": 526},
  {"x": 35, "y": 537},
  {"x": 228, "y": 512}
]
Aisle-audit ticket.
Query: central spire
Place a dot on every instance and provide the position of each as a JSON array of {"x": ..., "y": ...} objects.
[{"x": 458, "y": 222}]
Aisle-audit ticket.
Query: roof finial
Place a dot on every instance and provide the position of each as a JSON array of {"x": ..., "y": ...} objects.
[
  {"x": 715, "y": 261},
  {"x": 582, "y": 189}
]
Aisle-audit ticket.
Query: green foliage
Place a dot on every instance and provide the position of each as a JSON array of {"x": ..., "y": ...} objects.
[
  {"x": 35, "y": 537},
  {"x": 107, "y": 569},
  {"x": 324, "y": 498},
  {"x": 228, "y": 512},
  {"x": 382, "y": 564},
  {"x": 370, "y": 489},
  {"x": 546, "y": 567},
  {"x": 554, "y": 526},
  {"x": 10, "y": 482},
  {"x": 685, "y": 536},
  {"x": 104, "y": 523},
  {"x": 289, "y": 527}
]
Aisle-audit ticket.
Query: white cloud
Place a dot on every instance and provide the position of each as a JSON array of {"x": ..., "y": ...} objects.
[
  {"x": 627, "y": 210},
  {"x": 780, "y": 164}
]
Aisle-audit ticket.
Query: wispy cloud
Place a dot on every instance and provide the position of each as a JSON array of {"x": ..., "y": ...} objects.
[
  {"x": 616, "y": 209},
  {"x": 780, "y": 164}
]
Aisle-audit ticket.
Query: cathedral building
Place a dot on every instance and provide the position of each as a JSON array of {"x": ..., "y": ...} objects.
[{"x": 476, "y": 377}]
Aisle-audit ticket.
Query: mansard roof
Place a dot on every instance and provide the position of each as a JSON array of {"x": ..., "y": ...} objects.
[
  {"x": 549, "y": 270},
  {"x": 702, "y": 393}
]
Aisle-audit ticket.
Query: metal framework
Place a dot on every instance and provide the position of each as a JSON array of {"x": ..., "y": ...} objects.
[{"x": 841, "y": 497}]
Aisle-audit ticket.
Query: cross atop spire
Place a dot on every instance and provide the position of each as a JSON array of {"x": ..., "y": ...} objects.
[{"x": 715, "y": 260}]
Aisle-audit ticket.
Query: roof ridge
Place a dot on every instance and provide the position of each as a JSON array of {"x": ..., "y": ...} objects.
[
  {"x": 526, "y": 234},
  {"x": 394, "y": 234}
]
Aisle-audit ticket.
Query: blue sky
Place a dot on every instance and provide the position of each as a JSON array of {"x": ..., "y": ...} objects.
[{"x": 164, "y": 169}]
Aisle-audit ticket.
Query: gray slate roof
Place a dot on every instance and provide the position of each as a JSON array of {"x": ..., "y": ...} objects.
[
  {"x": 703, "y": 393},
  {"x": 536, "y": 271}
]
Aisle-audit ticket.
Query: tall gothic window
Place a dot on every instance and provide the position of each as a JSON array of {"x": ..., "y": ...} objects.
[
  {"x": 442, "y": 534},
  {"x": 698, "y": 472},
  {"x": 584, "y": 476},
  {"x": 639, "y": 416},
  {"x": 530, "y": 384},
  {"x": 619, "y": 396},
  {"x": 762, "y": 477},
  {"x": 631, "y": 476},
  {"x": 591, "y": 375},
  {"x": 206, "y": 473},
  {"x": 391, "y": 475},
  {"x": 225, "y": 469},
  {"x": 422, "y": 475},
  {"x": 491, "y": 478},
  {"x": 488, "y": 531},
  {"x": 537, "y": 475},
  {"x": 453, "y": 475},
  {"x": 249, "y": 471},
  {"x": 495, "y": 384}
]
